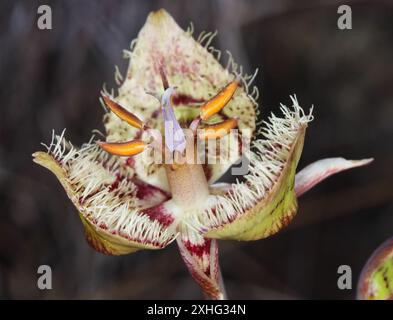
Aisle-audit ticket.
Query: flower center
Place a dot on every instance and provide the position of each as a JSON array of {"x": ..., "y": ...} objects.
[{"x": 188, "y": 185}]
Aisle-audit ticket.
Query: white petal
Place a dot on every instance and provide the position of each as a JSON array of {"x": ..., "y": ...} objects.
[{"x": 321, "y": 169}]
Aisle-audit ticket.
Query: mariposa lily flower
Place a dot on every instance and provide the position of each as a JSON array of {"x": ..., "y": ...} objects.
[
  {"x": 127, "y": 202},
  {"x": 376, "y": 279}
]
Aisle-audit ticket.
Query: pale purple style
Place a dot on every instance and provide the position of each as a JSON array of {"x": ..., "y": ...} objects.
[{"x": 175, "y": 139}]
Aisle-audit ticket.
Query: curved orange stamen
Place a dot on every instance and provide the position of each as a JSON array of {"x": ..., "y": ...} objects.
[
  {"x": 128, "y": 148},
  {"x": 218, "y": 102},
  {"x": 122, "y": 113},
  {"x": 218, "y": 130}
]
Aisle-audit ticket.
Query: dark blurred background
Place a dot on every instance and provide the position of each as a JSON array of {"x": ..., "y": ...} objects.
[{"x": 51, "y": 79}]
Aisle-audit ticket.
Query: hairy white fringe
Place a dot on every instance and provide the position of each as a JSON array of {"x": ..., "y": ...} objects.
[
  {"x": 215, "y": 52},
  {"x": 133, "y": 44},
  {"x": 190, "y": 29},
  {"x": 266, "y": 166},
  {"x": 190, "y": 233},
  {"x": 105, "y": 91},
  {"x": 127, "y": 54},
  {"x": 246, "y": 79},
  {"x": 118, "y": 76},
  {"x": 90, "y": 172},
  {"x": 205, "y": 39}
]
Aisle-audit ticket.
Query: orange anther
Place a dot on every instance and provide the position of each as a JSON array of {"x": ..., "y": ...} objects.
[
  {"x": 218, "y": 102},
  {"x": 129, "y": 148},
  {"x": 217, "y": 130},
  {"x": 122, "y": 113}
]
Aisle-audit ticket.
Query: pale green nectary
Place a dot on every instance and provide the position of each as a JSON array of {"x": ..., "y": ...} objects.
[{"x": 128, "y": 203}]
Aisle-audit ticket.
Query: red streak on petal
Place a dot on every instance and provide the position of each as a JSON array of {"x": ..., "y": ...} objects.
[
  {"x": 198, "y": 249},
  {"x": 179, "y": 99},
  {"x": 208, "y": 171},
  {"x": 185, "y": 99}
]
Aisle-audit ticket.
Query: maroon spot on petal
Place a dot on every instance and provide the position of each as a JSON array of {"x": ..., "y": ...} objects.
[
  {"x": 115, "y": 184},
  {"x": 156, "y": 113},
  {"x": 145, "y": 190},
  {"x": 158, "y": 213},
  {"x": 130, "y": 162},
  {"x": 103, "y": 226}
]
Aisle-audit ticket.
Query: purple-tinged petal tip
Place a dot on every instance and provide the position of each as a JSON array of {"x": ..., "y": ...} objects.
[{"x": 318, "y": 171}]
